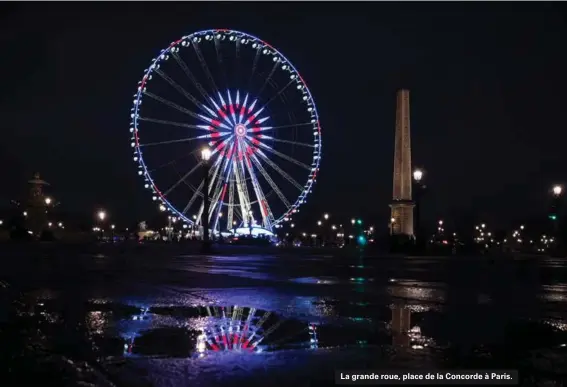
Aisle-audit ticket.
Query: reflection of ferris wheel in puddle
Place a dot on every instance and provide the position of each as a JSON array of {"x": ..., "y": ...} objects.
[
  {"x": 243, "y": 98},
  {"x": 230, "y": 331},
  {"x": 235, "y": 329}
]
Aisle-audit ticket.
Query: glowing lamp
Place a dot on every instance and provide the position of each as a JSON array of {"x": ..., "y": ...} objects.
[
  {"x": 417, "y": 175},
  {"x": 206, "y": 154}
]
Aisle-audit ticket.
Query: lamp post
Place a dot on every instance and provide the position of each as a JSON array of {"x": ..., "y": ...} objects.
[
  {"x": 101, "y": 215},
  {"x": 554, "y": 216},
  {"x": 417, "y": 178},
  {"x": 206, "y": 156}
]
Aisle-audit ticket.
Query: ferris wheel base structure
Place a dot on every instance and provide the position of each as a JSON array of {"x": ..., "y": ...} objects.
[{"x": 254, "y": 231}]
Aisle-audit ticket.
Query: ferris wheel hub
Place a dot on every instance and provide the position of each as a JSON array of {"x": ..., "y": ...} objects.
[{"x": 240, "y": 130}]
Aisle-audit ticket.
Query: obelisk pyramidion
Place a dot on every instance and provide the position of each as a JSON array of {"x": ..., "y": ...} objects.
[{"x": 402, "y": 204}]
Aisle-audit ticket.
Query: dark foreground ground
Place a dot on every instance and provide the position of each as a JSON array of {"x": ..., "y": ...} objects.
[{"x": 163, "y": 316}]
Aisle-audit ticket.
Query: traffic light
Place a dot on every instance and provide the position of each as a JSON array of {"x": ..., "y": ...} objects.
[
  {"x": 360, "y": 237},
  {"x": 553, "y": 217}
]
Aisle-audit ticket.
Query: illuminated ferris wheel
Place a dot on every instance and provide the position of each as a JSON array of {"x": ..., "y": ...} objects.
[{"x": 241, "y": 97}]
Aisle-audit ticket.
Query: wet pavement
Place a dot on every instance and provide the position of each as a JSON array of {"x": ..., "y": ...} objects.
[{"x": 161, "y": 317}]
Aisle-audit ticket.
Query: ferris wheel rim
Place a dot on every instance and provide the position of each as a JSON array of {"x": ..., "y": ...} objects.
[{"x": 137, "y": 144}]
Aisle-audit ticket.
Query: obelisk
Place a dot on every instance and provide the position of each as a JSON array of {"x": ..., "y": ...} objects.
[{"x": 402, "y": 204}]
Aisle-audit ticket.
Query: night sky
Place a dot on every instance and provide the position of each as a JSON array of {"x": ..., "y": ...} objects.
[{"x": 487, "y": 85}]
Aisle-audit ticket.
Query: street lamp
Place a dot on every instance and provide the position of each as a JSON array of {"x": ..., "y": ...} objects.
[
  {"x": 557, "y": 191},
  {"x": 206, "y": 156},
  {"x": 48, "y": 201},
  {"x": 326, "y": 216},
  {"x": 417, "y": 177},
  {"x": 101, "y": 215}
]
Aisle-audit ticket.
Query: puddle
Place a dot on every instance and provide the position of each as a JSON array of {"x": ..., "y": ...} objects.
[
  {"x": 210, "y": 336},
  {"x": 197, "y": 331}
]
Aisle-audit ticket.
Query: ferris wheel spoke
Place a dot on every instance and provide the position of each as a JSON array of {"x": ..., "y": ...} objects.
[
  {"x": 220, "y": 61},
  {"x": 263, "y": 136},
  {"x": 281, "y": 155},
  {"x": 192, "y": 78},
  {"x": 218, "y": 204},
  {"x": 180, "y": 89},
  {"x": 272, "y": 184},
  {"x": 212, "y": 127},
  {"x": 231, "y": 109},
  {"x": 265, "y": 210},
  {"x": 224, "y": 182},
  {"x": 217, "y": 195},
  {"x": 237, "y": 56},
  {"x": 183, "y": 178},
  {"x": 193, "y": 198},
  {"x": 169, "y": 163},
  {"x": 264, "y": 128},
  {"x": 284, "y": 174},
  {"x": 173, "y": 105},
  {"x": 244, "y": 198},
  {"x": 212, "y": 135},
  {"x": 204, "y": 66},
  {"x": 219, "y": 149},
  {"x": 268, "y": 78},
  {"x": 254, "y": 66},
  {"x": 279, "y": 92},
  {"x": 173, "y": 123},
  {"x": 216, "y": 167},
  {"x": 216, "y": 198},
  {"x": 212, "y": 172},
  {"x": 239, "y": 190}
]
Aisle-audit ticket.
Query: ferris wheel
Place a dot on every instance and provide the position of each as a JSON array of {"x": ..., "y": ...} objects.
[{"x": 242, "y": 98}]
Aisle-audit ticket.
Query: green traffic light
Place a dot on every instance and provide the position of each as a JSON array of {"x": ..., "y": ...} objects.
[
  {"x": 553, "y": 217},
  {"x": 359, "y": 221}
]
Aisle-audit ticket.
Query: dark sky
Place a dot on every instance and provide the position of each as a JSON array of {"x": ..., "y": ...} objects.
[{"x": 487, "y": 88}]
